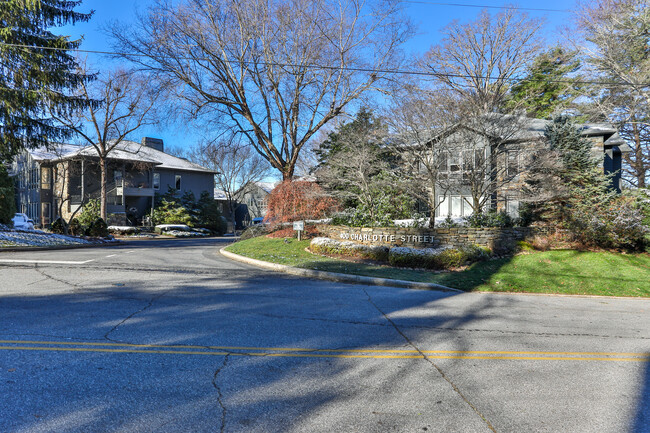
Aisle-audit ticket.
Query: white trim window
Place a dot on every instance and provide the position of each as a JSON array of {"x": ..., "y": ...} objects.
[{"x": 156, "y": 181}]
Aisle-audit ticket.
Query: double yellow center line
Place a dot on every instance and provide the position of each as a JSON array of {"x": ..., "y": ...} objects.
[{"x": 294, "y": 352}]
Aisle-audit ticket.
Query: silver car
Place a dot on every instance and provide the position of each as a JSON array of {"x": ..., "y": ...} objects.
[{"x": 22, "y": 221}]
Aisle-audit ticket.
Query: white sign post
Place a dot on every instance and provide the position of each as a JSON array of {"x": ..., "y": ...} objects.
[{"x": 299, "y": 226}]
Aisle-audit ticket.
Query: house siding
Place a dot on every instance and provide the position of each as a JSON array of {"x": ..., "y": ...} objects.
[
  {"x": 129, "y": 186},
  {"x": 194, "y": 182}
]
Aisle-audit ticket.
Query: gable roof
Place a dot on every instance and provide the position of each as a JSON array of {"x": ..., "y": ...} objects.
[
  {"x": 533, "y": 129},
  {"x": 125, "y": 151}
]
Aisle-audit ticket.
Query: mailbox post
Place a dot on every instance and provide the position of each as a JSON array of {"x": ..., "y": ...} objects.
[{"x": 299, "y": 226}]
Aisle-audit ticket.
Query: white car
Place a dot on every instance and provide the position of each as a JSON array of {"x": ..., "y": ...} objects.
[{"x": 22, "y": 221}]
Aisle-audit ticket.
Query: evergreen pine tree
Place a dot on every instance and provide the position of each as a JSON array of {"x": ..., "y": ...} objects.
[
  {"x": 365, "y": 126},
  {"x": 7, "y": 196},
  {"x": 574, "y": 149},
  {"x": 548, "y": 84},
  {"x": 36, "y": 72}
]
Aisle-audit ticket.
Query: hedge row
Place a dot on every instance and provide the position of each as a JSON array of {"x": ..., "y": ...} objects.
[
  {"x": 427, "y": 258},
  {"x": 330, "y": 246}
]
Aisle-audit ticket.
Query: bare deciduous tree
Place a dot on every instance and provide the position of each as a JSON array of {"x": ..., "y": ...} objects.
[
  {"x": 417, "y": 118},
  {"x": 613, "y": 37},
  {"x": 479, "y": 60},
  {"x": 127, "y": 104},
  {"x": 237, "y": 168},
  {"x": 485, "y": 156},
  {"x": 272, "y": 71},
  {"x": 62, "y": 172}
]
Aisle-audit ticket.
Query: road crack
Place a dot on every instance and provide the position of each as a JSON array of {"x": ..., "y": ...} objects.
[
  {"x": 50, "y": 277},
  {"x": 457, "y": 329},
  {"x": 151, "y": 301},
  {"x": 426, "y": 358},
  {"x": 220, "y": 394}
]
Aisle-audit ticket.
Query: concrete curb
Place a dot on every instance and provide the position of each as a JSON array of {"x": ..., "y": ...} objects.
[{"x": 334, "y": 276}]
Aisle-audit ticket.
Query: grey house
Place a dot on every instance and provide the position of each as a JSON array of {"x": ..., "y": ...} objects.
[
  {"x": 504, "y": 153},
  {"x": 252, "y": 203},
  {"x": 57, "y": 182}
]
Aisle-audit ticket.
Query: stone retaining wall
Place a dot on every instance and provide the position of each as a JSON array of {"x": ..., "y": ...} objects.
[{"x": 497, "y": 239}]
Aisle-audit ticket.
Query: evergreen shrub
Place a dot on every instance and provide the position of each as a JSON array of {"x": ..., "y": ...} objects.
[
  {"x": 331, "y": 246},
  {"x": 7, "y": 197},
  {"x": 489, "y": 219},
  {"x": 98, "y": 229},
  {"x": 58, "y": 226},
  {"x": 89, "y": 213},
  {"x": 75, "y": 228},
  {"x": 441, "y": 258}
]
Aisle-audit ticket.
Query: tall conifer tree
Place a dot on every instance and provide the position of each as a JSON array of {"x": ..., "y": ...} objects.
[{"x": 36, "y": 72}]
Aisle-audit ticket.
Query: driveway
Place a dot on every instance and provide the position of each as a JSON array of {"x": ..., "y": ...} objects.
[{"x": 168, "y": 336}]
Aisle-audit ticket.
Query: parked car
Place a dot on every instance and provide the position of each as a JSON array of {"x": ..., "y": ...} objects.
[{"x": 22, "y": 221}]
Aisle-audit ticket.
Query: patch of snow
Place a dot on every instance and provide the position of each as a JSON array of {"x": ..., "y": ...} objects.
[
  {"x": 424, "y": 222},
  {"x": 177, "y": 227},
  {"x": 35, "y": 238},
  {"x": 122, "y": 229},
  {"x": 406, "y": 251},
  {"x": 183, "y": 234}
]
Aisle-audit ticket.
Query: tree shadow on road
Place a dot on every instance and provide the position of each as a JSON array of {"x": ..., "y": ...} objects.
[
  {"x": 641, "y": 423},
  {"x": 253, "y": 310}
]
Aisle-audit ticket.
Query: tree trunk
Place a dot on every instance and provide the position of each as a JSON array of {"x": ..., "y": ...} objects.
[
  {"x": 233, "y": 217},
  {"x": 639, "y": 166},
  {"x": 287, "y": 173},
  {"x": 476, "y": 205},
  {"x": 102, "y": 196},
  {"x": 432, "y": 207}
]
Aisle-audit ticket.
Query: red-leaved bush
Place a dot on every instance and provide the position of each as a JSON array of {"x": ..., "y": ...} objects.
[{"x": 299, "y": 200}]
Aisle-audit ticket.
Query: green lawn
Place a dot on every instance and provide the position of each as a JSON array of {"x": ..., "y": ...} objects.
[{"x": 560, "y": 271}]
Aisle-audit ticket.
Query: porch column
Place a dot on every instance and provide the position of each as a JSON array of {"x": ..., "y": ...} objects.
[{"x": 83, "y": 180}]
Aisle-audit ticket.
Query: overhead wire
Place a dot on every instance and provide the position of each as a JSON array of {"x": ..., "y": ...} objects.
[
  {"x": 352, "y": 69},
  {"x": 479, "y": 6}
]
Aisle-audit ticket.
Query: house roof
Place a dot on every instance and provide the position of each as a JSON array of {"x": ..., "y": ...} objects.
[
  {"x": 58, "y": 151},
  {"x": 124, "y": 151},
  {"x": 266, "y": 186},
  {"x": 527, "y": 129}
]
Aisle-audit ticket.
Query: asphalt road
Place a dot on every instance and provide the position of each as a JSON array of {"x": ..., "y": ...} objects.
[{"x": 168, "y": 336}]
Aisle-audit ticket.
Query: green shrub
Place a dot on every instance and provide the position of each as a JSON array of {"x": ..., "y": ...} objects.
[
  {"x": 617, "y": 223},
  {"x": 489, "y": 219},
  {"x": 525, "y": 246},
  {"x": 448, "y": 223},
  {"x": 58, "y": 226},
  {"x": 75, "y": 228},
  {"x": 412, "y": 258},
  {"x": 208, "y": 215},
  {"x": 437, "y": 259},
  {"x": 89, "y": 213},
  {"x": 451, "y": 258},
  {"x": 476, "y": 253},
  {"x": 98, "y": 229},
  {"x": 329, "y": 246},
  {"x": 171, "y": 212},
  {"x": 527, "y": 214}
]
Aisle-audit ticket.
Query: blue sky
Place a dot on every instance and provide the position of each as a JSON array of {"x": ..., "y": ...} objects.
[{"x": 429, "y": 17}]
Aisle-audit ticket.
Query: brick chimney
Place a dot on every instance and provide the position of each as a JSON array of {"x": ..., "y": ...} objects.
[{"x": 154, "y": 143}]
